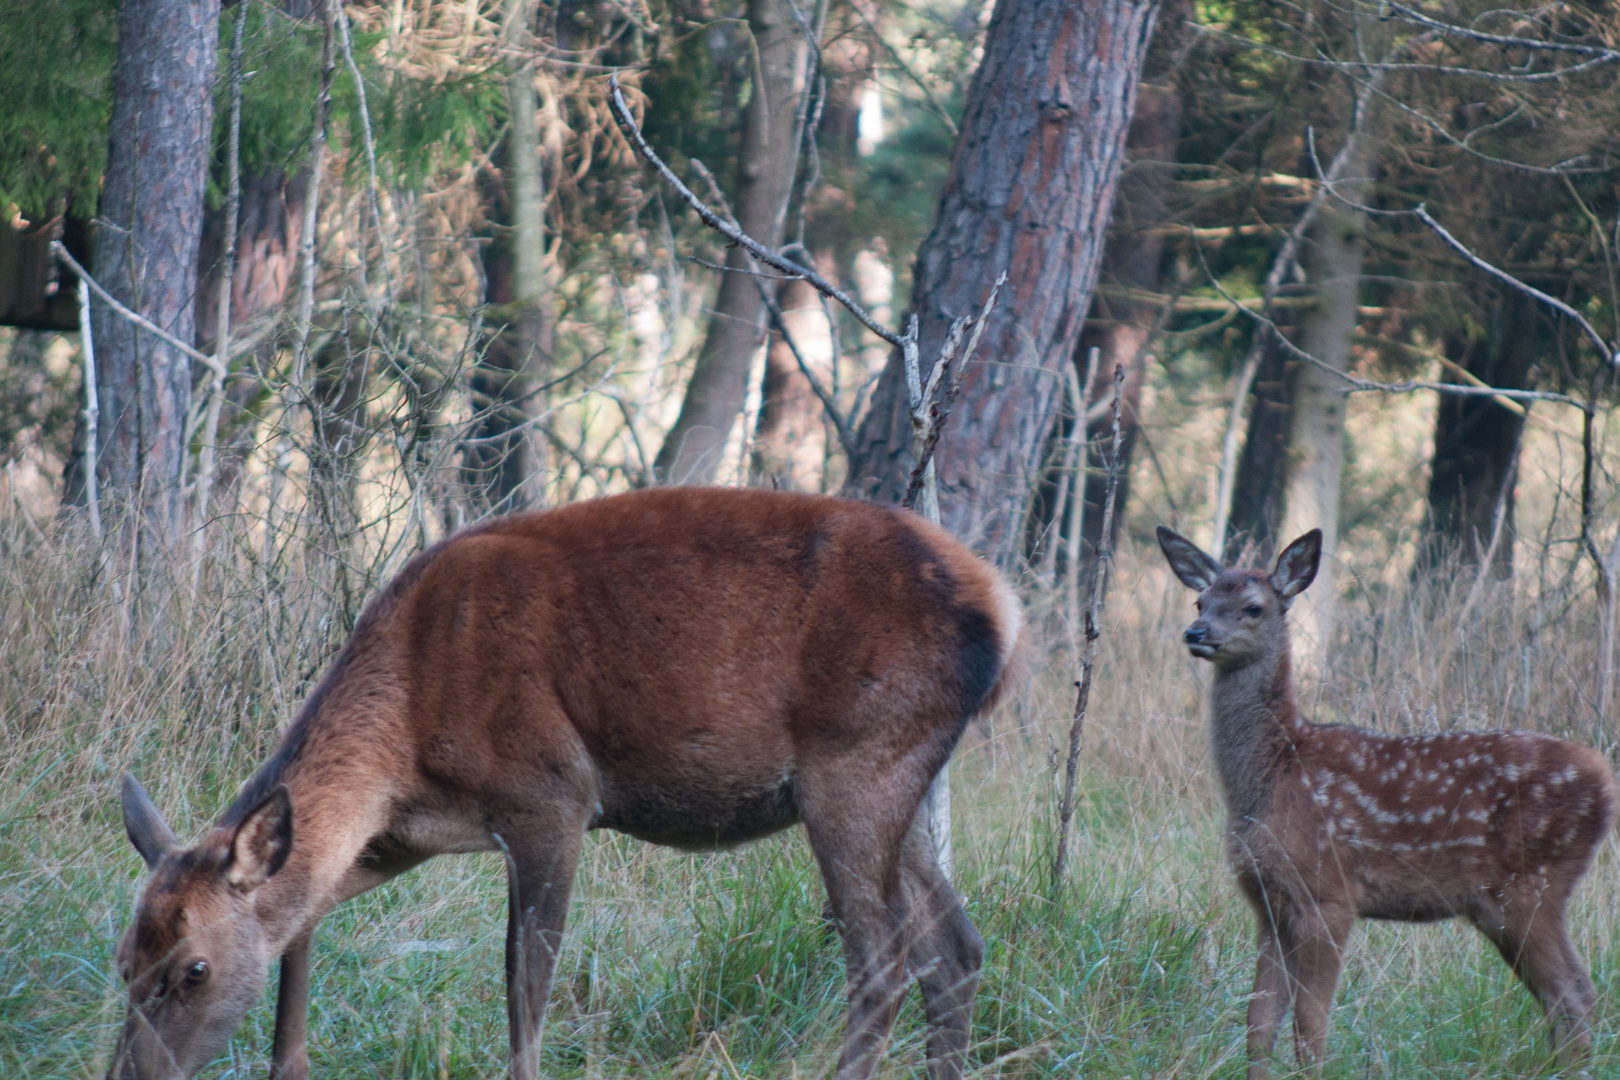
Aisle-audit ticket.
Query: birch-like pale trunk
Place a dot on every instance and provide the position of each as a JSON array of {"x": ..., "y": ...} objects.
[{"x": 1315, "y": 458}]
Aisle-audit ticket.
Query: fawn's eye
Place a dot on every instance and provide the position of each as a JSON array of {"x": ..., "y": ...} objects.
[
  {"x": 197, "y": 973},
  {"x": 1254, "y": 611}
]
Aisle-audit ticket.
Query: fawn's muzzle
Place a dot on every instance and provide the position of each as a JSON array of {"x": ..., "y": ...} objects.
[{"x": 1197, "y": 641}]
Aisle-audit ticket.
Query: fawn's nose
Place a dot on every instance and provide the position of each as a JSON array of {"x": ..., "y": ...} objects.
[{"x": 1195, "y": 635}]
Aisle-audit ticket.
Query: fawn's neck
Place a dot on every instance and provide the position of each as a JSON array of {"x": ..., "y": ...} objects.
[{"x": 1253, "y": 722}]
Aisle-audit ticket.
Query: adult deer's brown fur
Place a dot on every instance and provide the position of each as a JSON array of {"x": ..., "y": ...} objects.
[
  {"x": 1329, "y": 823},
  {"x": 694, "y": 667}
]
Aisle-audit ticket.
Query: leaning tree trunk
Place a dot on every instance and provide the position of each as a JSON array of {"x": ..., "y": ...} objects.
[
  {"x": 1315, "y": 458},
  {"x": 767, "y": 162},
  {"x": 151, "y": 218},
  {"x": 1030, "y": 190}
]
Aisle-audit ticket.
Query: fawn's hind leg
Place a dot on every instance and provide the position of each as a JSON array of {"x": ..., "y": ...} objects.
[{"x": 1531, "y": 936}]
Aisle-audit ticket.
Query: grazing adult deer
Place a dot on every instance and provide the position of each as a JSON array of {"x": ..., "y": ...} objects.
[
  {"x": 1329, "y": 823},
  {"x": 693, "y": 667}
]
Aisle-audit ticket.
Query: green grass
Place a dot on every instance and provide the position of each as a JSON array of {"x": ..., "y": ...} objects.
[{"x": 715, "y": 966}]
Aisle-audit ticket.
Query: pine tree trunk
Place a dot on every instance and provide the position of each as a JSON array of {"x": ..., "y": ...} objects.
[
  {"x": 151, "y": 217},
  {"x": 1030, "y": 191},
  {"x": 767, "y": 163}
]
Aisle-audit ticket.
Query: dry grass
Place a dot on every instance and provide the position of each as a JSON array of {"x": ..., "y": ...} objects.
[{"x": 716, "y": 967}]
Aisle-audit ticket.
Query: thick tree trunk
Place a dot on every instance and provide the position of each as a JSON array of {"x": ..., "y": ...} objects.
[
  {"x": 1474, "y": 438},
  {"x": 151, "y": 218},
  {"x": 1030, "y": 191},
  {"x": 504, "y": 461},
  {"x": 767, "y": 163},
  {"x": 1315, "y": 458}
]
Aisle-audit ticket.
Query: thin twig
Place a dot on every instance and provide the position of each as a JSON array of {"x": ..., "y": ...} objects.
[
  {"x": 621, "y": 112},
  {"x": 92, "y": 410},
  {"x": 940, "y": 411},
  {"x": 1099, "y": 590},
  {"x": 141, "y": 321}
]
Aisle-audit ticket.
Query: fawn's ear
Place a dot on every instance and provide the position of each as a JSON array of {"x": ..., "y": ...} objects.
[
  {"x": 262, "y": 842},
  {"x": 1195, "y": 569},
  {"x": 1296, "y": 566},
  {"x": 143, "y": 822}
]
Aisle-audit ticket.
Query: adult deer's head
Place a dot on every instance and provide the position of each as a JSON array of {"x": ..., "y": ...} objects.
[
  {"x": 195, "y": 956},
  {"x": 1241, "y": 613}
]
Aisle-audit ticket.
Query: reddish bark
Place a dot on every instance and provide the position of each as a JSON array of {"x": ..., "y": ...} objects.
[
  {"x": 1030, "y": 192},
  {"x": 151, "y": 218}
]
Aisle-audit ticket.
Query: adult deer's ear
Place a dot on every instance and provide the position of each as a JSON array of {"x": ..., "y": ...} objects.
[
  {"x": 1296, "y": 566},
  {"x": 262, "y": 842},
  {"x": 147, "y": 830},
  {"x": 1195, "y": 569}
]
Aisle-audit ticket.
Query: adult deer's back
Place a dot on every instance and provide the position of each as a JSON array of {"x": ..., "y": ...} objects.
[
  {"x": 694, "y": 667},
  {"x": 1330, "y": 823}
]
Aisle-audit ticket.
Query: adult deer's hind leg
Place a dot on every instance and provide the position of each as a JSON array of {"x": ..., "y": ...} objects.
[
  {"x": 944, "y": 952},
  {"x": 542, "y": 851},
  {"x": 857, "y": 822}
]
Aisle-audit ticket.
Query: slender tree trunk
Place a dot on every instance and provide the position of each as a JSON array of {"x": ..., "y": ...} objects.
[
  {"x": 1315, "y": 458},
  {"x": 1030, "y": 191},
  {"x": 1257, "y": 489},
  {"x": 151, "y": 218},
  {"x": 1474, "y": 437},
  {"x": 768, "y": 161},
  {"x": 1133, "y": 259},
  {"x": 791, "y": 438},
  {"x": 505, "y": 462}
]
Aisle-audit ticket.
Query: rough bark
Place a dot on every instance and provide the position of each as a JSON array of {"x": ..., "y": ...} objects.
[
  {"x": 1315, "y": 458},
  {"x": 1030, "y": 191},
  {"x": 767, "y": 162},
  {"x": 151, "y": 217},
  {"x": 1474, "y": 438},
  {"x": 504, "y": 462}
]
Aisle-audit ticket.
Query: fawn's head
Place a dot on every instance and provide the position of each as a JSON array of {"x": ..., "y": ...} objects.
[
  {"x": 1241, "y": 613},
  {"x": 195, "y": 956}
]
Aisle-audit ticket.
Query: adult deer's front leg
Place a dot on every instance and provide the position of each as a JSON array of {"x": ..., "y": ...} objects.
[
  {"x": 541, "y": 859},
  {"x": 289, "y": 1055}
]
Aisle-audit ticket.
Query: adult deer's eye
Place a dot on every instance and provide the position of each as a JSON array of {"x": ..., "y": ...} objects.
[
  {"x": 197, "y": 973},
  {"x": 1254, "y": 611}
]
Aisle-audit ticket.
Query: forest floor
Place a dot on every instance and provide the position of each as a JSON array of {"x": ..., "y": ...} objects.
[{"x": 719, "y": 966}]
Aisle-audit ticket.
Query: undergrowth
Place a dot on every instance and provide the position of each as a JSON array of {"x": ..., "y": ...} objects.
[{"x": 720, "y": 966}]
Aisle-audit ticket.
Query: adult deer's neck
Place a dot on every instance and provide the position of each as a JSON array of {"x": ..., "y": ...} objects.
[
  {"x": 341, "y": 763},
  {"x": 1253, "y": 723}
]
